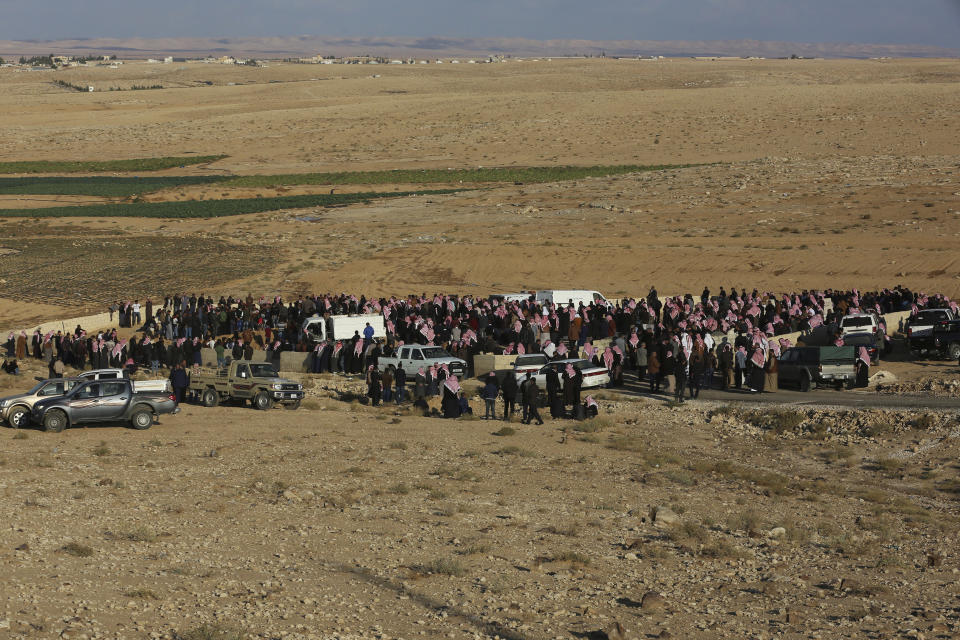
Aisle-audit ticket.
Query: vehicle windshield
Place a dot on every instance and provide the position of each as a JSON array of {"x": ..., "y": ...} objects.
[
  {"x": 263, "y": 371},
  {"x": 36, "y": 388},
  {"x": 930, "y": 316},
  {"x": 57, "y": 388},
  {"x": 435, "y": 352},
  {"x": 858, "y": 321}
]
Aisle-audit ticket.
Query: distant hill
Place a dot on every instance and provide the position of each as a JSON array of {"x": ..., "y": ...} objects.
[{"x": 436, "y": 47}]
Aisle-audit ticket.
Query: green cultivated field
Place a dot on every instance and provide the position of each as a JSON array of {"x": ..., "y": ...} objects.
[
  {"x": 95, "y": 166},
  {"x": 210, "y": 208},
  {"x": 126, "y": 186},
  {"x": 445, "y": 176},
  {"x": 107, "y": 187}
]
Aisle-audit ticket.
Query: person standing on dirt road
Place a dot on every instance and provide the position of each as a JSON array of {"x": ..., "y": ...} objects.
[
  {"x": 531, "y": 393},
  {"x": 179, "y": 382},
  {"x": 490, "y": 393},
  {"x": 400, "y": 383},
  {"x": 509, "y": 390}
]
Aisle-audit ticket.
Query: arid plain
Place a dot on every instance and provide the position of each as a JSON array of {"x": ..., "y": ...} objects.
[{"x": 342, "y": 521}]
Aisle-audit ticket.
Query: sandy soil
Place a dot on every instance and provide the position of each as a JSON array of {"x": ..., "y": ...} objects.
[
  {"x": 345, "y": 521},
  {"x": 834, "y": 173},
  {"x": 318, "y": 117}
]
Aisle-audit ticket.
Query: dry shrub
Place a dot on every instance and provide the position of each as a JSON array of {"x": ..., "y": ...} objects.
[
  {"x": 748, "y": 521},
  {"x": 889, "y": 466},
  {"x": 209, "y": 632},
  {"x": 569, "y": 529},
  {"x": 572, "y": 557},
  {"x": 445, "y": 566},
  {"x": 77, "y": 549},
  {"x": 626, "y": 443},
  {"x": 720, "y": 548}
]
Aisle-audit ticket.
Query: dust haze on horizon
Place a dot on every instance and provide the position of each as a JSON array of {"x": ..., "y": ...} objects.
[{"x": 921, "y": 22}]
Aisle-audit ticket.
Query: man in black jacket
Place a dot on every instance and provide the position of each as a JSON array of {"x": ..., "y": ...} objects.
[
  {"x": 400, "y": 381},
  {"x": 530, "y": 397},
  {"x": 509, "y": 390},
  {"x": 553, "y": 393}
]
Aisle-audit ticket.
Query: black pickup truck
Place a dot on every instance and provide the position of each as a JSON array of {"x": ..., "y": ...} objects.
[
  {"x": 946, "y": 338},
  {"x": 102, "y": 401}
]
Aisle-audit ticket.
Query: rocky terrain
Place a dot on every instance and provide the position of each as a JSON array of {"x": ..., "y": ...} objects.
[
  {"x": 344, "y": 521},
  {"x": 341, "y": 520}
]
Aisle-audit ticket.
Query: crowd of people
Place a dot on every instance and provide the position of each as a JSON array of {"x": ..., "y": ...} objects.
[{"x": 670, "y": 342}]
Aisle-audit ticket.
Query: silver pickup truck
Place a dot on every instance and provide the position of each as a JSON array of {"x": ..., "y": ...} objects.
[{"x": 411, "y": 357}]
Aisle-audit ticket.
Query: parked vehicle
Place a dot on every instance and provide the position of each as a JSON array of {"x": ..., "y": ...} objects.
[
  {"x": 807, "y": 367},
  {"x": 15, "y": 410},
  {"x": 946, "y": 338},
  {"x": 98, "y": 401},
  {"x": 511, "y": 297},
  {"x": 529, "y": 363},
  {"x": 919, "y": 328},
  {"x": 115, "y": 374},
  {"x": 410, "y": 357},
  {"x": 243, "y": 380},
  {"x": 868, "y": 340},
  {"x": 577, "y": 297},
  {"x": 319, "y": 328},
  {"x": 859, "y": 323},
  {"x": 593, "y": 376}
]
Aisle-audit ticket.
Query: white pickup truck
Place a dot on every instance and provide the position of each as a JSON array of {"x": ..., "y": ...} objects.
[
  {"x": 860, "y": 323},
  {"x": 410, "y": 357},
  {"x": 114, "y": 374}
]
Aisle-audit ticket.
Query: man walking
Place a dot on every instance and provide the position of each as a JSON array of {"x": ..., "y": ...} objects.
[
  {"x": 399, "y": 383},
  {"x": 530, "y": 396}
]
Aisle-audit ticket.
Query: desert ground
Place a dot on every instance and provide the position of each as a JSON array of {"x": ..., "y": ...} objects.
[
  {"x": 338, "y": 520},
  {"x": 816, "y": 173}
]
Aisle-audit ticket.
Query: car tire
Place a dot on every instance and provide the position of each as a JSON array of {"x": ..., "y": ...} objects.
[
  {"x": 953, "y": 351},
  {"x": 141, "y": 418},
  {"x": 262, "y": 401},
  {"x": 292, "y": 406},
  {"x": 17, "y": 418},
  {"x": 805, "y": 383},
  {"x": 54, "y": 421},
  {"x": 210, "y": 398}
]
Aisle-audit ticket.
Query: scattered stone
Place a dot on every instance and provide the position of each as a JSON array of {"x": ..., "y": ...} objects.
[
  {"x": 652, "y": 601},
  {"x": 664, "y": 516},
  {"x": 777, "y": 532},
  {"x": 614, "y": 632}
]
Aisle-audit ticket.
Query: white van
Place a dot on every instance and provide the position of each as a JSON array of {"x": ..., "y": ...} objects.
[
  {"x": 576, "y": 296},
  {"x": 319, "y": 328}
]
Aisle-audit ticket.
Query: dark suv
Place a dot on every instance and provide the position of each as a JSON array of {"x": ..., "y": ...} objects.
[{"x": 807, "y": 367}]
